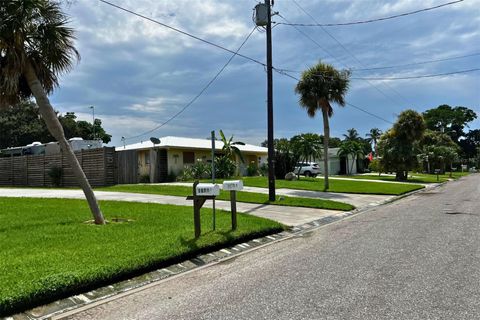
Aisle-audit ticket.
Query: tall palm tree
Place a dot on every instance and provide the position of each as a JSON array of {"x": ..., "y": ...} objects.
[
  {"x": 352, "y": 135},
  {"x": 373, "y": 136},
  {"x": 318, "y": 87},
  {"x": 36, "y": 46}
]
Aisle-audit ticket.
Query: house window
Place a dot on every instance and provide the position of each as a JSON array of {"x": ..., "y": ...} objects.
[
  {"x": 188, "y": 157},
  {"x": 147, "y": 158}
]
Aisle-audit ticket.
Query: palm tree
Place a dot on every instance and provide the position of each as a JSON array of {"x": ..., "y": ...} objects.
[
  {"x": 352, "y": 135},
  {"x": 353, "y": 149},
  {"x": 307, "y": 147},
  {"x": 373, "y": 136},
  {"x": 36, "y": 46},
  {"x": 318, "y": 87}
]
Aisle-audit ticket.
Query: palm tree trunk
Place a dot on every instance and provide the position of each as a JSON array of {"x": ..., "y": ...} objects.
[
  {"x": 351, "y": 166},
  {"x": 55, "y": 128},
  {"x": 326, "y": 138}
]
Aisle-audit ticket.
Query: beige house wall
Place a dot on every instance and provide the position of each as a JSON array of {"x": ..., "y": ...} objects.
[{"x": 176, "y": 161}]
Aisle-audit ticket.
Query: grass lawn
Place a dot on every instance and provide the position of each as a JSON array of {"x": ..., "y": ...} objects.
[
  {"x": 242, "y": 196},
  {"x": 48, "y": 252},
  {"x": 417, "y": 177},
  {"x": 346, "y": 186}
]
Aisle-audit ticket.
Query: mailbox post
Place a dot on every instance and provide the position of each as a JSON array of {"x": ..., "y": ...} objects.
[
  {"x": 233, "y": 187},
  {"x": 201, "y": 193}
]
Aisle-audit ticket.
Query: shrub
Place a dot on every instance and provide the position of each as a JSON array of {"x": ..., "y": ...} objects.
[
  {"x": 56, "y": 174},
  {"x": 198, "y": 170},
  {"x": 252, "y": 169},
  {"x": 375, "y": 165},
  {"x": 263, "y": 170},
  {"x": 144, "y": 178},
  {"x": 224, "y": 167}
]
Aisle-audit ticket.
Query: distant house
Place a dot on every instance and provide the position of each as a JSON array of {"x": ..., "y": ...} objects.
[{"x": 173, "y": 154}]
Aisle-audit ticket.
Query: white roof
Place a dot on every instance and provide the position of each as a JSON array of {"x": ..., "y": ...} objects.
[{"x": 188, "y": 143}]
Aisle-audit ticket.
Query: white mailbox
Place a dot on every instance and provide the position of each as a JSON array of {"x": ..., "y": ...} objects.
[
  {"x": 234, "y": 185},
  {"x": 208, "y": 189}
]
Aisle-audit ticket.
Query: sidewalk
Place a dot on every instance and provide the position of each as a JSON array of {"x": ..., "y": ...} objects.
[
  {"x": 357, "y": 200},
  {"x": 291, "y": 216}
]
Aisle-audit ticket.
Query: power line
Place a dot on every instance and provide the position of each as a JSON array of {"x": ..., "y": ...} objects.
[
  {"x": 418, "y": 77},
  {"x": 370, "y": 20},
  {"x": 199, "y": 94},
  {"x": 416, "y": 63},
  {"x": 368, "y": 112},
  {"x": 344, "y": 48},
  {"x": 349, "y": 104},
  {"x": 182, "y": 32}
]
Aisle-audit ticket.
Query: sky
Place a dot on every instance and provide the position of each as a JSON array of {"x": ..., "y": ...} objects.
[{"x": 138, "y": 74}]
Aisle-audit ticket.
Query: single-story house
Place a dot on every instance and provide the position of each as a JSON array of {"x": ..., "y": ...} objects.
[
  {"x": 337, "y": 164},
  {"x": 173, "y": 154}
]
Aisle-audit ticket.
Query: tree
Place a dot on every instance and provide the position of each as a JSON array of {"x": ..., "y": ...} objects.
[
  {"x": 372, "y": 137},
  {"x": 230, "y": 148},
  {"x": 470, "y": 144},
  {"x": 307, "y": 147},
  {"x": 451, "y": 121},
  {"x": 352, "y": 135},
  {"x": 36, "y": 46},
  {"x": 22, "y": 124},
  {"x": 318, "y": 87},
  {"x": 351, "y": 148},
  {"x": 398, "y": 147}
]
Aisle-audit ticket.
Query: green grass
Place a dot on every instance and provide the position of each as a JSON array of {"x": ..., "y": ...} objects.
[
  {"x": 347, "y": 186},
  {"x": 250, "y": 197},
  {"x": 417, "y": 177},
  {"x": 48, "y": 252}
]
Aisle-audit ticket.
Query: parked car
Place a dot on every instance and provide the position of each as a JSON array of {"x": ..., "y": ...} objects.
[{"x": 308, "y": 169}]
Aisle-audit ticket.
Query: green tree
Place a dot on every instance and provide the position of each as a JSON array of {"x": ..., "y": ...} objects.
[
  {"x": 307, "y": 146},
  {"x": 372, "y": 137},
  {"x": 398, "y": 147},
  {"x": 451, "y": 121},
  {"x": 318, "y": 87},
  {"x": 230, "y": 148},
  {"x": 22, "y": 124},
  {"x": 36, "y": 46},
  {"x": 352, "y": 135},
  {"x": 351, "y": 148}
]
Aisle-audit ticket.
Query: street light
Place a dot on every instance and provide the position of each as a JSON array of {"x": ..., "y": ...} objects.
[{"x": 93, "y": 120}]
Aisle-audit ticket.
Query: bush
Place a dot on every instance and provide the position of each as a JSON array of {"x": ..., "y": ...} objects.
[
  {"x": 198, "y": 170},
  {"x": 171, "y": 177},
  {"x": 224, "y": 167},
  {"x": 263, "y": 170},
  {"x": 56, "y": 174},
  {"x": 375, "y": 165},
  {"x": 144, "y": 178},
  {"x": 252, "y": 169}
]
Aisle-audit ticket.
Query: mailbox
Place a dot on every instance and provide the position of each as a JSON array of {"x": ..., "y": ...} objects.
[
  {"x": 208, "y": 189},
  {"x": 234, "y": 185}
]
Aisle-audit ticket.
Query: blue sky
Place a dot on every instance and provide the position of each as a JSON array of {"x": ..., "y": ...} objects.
[{"x": 138, "y": 74}]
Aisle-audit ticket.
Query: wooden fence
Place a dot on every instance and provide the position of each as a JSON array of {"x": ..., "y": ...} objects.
[{"x": 99, "y": 166}]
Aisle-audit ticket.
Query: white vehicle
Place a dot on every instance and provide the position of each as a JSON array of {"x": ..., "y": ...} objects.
[{"x": 308, "y": 169}]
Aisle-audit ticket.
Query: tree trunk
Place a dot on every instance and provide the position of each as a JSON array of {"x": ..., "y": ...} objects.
[
  {"x": 56, "y": 129},
  {"x": 326, "y": 138},
  {"x": 354, "y": 158}
]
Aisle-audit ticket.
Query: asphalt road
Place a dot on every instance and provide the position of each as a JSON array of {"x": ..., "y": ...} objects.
[{"x": 411, "y": 259}]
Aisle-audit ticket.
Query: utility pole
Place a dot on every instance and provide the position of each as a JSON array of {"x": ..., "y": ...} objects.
[{"x": 271, "y": 151}]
